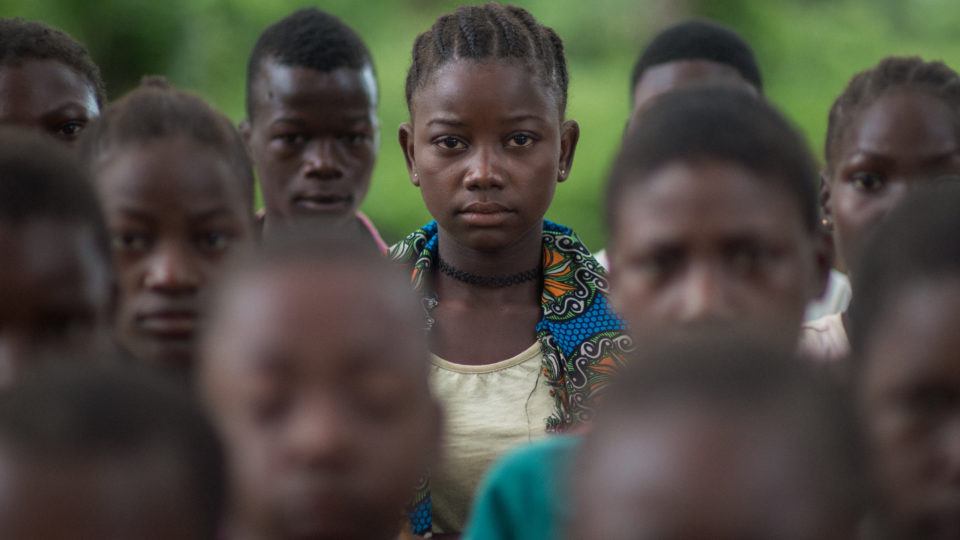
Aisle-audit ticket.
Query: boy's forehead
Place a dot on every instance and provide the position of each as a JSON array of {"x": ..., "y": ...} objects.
[
  {"x": 282, "y": 85},
  {"x": 42, "y": 85},
  {"x": 678, "y": 74}
]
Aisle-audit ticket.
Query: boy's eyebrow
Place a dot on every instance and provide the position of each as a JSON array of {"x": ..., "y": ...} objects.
[
  {"x": 446, "y": 122},
  {"x": 522, "y": 117}
]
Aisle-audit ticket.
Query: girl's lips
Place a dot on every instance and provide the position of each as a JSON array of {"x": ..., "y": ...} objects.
[{"x": 485, "y": 214}]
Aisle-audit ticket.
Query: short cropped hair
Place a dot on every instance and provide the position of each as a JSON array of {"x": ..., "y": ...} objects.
[
  {"x": 41, "y": 181},
  {"x": 723, "y": 124},
  {"x": 307, "y": 38},
  {"x": 156, "y": 110},
  {"x": 21, "y": 40},
  {"x": 71, "y": 411},
  {"x": 917, "y": 242},
  {"x": 699, "y": 40}
]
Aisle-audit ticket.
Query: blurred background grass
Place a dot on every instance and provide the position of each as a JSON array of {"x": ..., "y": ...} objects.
[{"x": 807, "y": 49}]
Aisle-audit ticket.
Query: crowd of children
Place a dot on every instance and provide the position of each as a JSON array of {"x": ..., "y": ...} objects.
[{"x": 765, "y": 348}]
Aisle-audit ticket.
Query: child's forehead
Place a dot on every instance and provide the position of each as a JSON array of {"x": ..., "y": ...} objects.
[
  {"x": 278, "y": 83},
  {"x": 492, "y": 85},
  {"x": 911, "y": 123},
  {"x": 45, "y": 80}
]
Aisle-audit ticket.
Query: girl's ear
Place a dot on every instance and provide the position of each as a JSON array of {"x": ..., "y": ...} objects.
[
  {"x": 405, "y": 136},
  {"x": 569, "y": 136}
]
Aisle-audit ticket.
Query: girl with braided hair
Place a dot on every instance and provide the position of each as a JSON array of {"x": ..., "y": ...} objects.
[
  {"x": 894, "y": 128},
  {"x": 521, "y": 332}
]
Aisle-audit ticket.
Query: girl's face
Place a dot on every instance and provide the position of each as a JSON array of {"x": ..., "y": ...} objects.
[
  {"x": 902, "y": 140},
  {"x": 175, "y": 212},
  {"x": 486, "y": 146},
  {"x": 909, "y": 394}
]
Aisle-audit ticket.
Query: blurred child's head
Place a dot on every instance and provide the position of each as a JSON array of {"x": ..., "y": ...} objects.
[
  {"x": 904, "y": 321},
  {"x": 711, "y": 209},
  {"x": 719, "y": 439},
  {"x": 315, "y": 368},
  {"x": 177, "y": 190},
  {"x": 56, "y": 280},
  {"x": 312, "y": 125},
  {"x": 93, "y": 453},
  {"x": 47, "y": 80},
  {"x": 487, "y": 142},
  {"x": 895, "y": 126},
  {"x": 692, "y": 53}
]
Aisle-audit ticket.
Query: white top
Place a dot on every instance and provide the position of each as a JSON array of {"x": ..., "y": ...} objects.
[
  {"x": 825, "y": 338},
  {"x": 488, "y": 409},
  {"x": 835, "y": 299}
]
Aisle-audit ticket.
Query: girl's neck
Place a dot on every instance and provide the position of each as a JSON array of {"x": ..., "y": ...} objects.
[{"x": 523, "y": 255}]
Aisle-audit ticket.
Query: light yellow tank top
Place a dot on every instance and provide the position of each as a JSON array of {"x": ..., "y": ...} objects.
[{"x": 488, "y": 410}]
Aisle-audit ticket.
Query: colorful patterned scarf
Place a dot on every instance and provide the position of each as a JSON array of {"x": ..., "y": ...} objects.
[{"x": 583, "y": 342}]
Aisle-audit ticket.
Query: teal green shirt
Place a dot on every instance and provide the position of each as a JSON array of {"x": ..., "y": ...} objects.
[{"x": 524, "y": 496}]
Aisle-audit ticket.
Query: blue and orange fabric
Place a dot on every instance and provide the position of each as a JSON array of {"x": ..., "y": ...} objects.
[{"x": 582, "y": 340}]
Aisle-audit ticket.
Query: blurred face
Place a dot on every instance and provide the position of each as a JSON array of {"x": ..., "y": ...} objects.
[
  {"x": 313, "y": 137},
  {"x": 142, "y": 496},
  {"x": 486, "y": 146},
  {"x": 693, "y": 474},
  {"x": 175, "y": 212},
  {"x": 910, "y": 396},
  {"x": 901, "y": 141},
  {"x": 711, "y": 243},
  {"x": 54, "y": 295},
  {"x": 671, "y": 76},
  {"x": 47, "y": 95},
  {"x": 327, "y": 418}
]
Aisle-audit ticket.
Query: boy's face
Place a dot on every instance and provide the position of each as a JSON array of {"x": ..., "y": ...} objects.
[
  {"x": 711, "y": 243},
  {"x": 313, "y": 137},
  {"x": 47, "y": 95},
  {"x": 110, "y": 498},
  {"x": 902, "y": 141},
  {"x": 54, "y": 295},
  {"x": 671, "y": 76},
  {"x": 487, "y": 146},
  {"x": 319, "y": 386},
  {"x": 909, "y": 392},
  {"x": 693, "y": 473},
  {"x": 175, "y": 212}
]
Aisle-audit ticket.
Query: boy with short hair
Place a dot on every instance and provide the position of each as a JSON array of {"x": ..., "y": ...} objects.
[
  {"x": 311, "y": 124},
  {"x": 47, "y": 80}
]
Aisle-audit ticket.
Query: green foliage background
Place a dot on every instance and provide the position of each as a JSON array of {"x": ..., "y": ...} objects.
[{"x": 808, "y": 49}]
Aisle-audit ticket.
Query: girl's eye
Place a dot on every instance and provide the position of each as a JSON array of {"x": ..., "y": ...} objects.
[
  {"x": 867, "y": 182},
  {"x": 214, "y": 241},
  {"x": 70, "y": 130},
  {"x": 129, "y": 242},
  {"x": 520, "y": 140},
  {"x": 450, "y": 143}
]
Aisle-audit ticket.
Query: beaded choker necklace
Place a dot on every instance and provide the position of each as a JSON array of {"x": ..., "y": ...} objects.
[{"x": 493, "y": 282}]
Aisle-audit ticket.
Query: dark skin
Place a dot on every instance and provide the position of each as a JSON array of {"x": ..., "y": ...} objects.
[
  {"x": 713, "y": 243},
  {"x": 147, "y": 495},
  {"x": 313, "y": 137},
  {"x": 912, "y": 409},
  {"x": 48, "y": 96},
  {"x": 176, "y": 212},
  {"x": 487, "y": 145},
  {"x": 55, "y": 295},
  {"x": 671, "y": 76},
  {"x": 327, "y": 419},
  {"x": 903, "y": 140}
]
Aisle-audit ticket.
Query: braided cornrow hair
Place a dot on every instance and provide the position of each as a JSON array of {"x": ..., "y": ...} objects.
[
  {"x": 491, "y": 31},
  {"x": 893, "y": 72}
]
